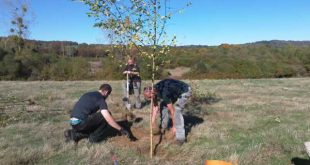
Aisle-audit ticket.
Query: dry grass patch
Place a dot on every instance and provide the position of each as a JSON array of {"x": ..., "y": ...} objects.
[{"x": 262, "y": 121}]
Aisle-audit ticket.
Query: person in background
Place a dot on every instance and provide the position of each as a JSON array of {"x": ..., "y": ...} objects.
[{"x": 132, "y": 72}]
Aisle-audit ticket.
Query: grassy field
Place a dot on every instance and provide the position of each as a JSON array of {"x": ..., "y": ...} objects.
[{"x": 252, "y": 122}]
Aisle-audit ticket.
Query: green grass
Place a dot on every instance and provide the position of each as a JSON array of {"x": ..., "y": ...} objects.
[{"x": 256, "y": 121}]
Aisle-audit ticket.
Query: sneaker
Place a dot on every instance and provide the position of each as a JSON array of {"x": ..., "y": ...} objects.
[
  {"x": 128, "y": 106},
  {"x": 77, "y": 136},
  {"x": 125, "y": 99},
  {"x": 135, "y": 106},
  {"x": 74, "y": 136}
]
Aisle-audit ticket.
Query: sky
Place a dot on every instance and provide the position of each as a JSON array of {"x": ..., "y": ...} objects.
[{"x": 206, "y": 22}]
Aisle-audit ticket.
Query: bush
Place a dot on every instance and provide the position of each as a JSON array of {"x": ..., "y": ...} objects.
[{"x": 68, "y": 69}]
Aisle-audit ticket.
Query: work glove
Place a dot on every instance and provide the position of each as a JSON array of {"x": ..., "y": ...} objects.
[
  {"x": 127, "y": 134},
  {"x": 124, "y": 132}
]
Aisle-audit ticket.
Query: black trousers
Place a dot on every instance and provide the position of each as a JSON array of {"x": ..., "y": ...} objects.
[{"x": 95, "y": 127}]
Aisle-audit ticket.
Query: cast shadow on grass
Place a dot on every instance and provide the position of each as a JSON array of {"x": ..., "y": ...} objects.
[
  {"x": 196, "y": 109},
  {"x": 191, "y": 121},
  {"x": 300, "y": 161},
  {"x": 205, "y": 99},
  {"x": 197, "y": 106}
]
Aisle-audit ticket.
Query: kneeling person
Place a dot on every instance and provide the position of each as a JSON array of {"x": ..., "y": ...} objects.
[{"x": 90, "y": 117}]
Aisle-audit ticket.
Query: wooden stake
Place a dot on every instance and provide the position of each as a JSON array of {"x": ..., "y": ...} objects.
[
  {"x": 151, "y": 128},
  {"x": 152, "y": 104},
  {"x": 153, "y": 74}
]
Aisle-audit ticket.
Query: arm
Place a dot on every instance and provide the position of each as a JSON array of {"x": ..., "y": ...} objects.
[
  {"x": 130, "y": 72},
  {"x": 137, "y": 71},
  {"x": 168, "y": 102},
  {"x": 126, "y": 70},
  {"x": 112, "y": 123},
  {"x": 172, "y": 110},
  {"x": 134, "y": 73},
  {"x": 154, "y": 113},
  {"x": 110, "y": 120}
]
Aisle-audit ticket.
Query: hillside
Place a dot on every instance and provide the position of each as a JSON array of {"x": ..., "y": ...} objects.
[
  {"x": 65, "y": 60},
  {"x": 281, "y": 43}
]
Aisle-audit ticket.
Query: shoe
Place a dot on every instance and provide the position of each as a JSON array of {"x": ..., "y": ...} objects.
[
  {"x": 137, "y": 107},
  {"x": 128, "y": 106},
  {"x": 125, "y": 99},
  {"x": 77, "y": 136},
  {"x": 68, "y": 135},
  {"x": 74, "y": 136}
]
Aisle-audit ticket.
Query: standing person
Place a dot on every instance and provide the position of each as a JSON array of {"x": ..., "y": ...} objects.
[
  {"x": 90, "y": 117},
  {"x": 173, "y": 95},
  {"x": 132, "y": 73}
]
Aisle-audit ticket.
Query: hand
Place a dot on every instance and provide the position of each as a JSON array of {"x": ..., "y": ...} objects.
[
  {"x": 132, "y": 138},
  {"x": 127, "y": 134},
  {"x": 124, "y": 132},
  {"x": 126, "y": 72},
  {"x": 174, "y": 130}
]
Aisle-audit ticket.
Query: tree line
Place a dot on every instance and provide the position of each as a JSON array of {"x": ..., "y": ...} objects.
[{"x": 65, "y": 60}]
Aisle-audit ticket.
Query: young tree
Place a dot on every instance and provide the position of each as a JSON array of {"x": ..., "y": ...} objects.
[
  {"x": 19, "y": 22},
  {"x": 136, "y": 23}
]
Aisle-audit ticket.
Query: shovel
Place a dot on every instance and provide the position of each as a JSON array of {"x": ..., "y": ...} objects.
[{"x": 128, "y": 105}]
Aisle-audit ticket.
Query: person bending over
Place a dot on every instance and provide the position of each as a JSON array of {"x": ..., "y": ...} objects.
[{"x": 169, "y": 95}]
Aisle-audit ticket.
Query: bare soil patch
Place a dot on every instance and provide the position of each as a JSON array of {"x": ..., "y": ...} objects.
[{"x": 178, "y": 72}]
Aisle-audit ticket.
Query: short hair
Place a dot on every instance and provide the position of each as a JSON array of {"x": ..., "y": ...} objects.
[
  {"x": 131, "y": 59},
  {"x": 106, "y": 87},
  {"x": 147, "y": 89}
]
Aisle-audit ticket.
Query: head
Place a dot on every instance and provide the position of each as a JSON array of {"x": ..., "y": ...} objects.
[
  {"x": 148, "y": 93},
  {"x": 105, "y": 89},
  {"x": 131, "y": 61}
]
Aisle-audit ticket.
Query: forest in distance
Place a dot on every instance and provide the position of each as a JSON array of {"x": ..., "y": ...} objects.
[{"x": 66, "y": 60}]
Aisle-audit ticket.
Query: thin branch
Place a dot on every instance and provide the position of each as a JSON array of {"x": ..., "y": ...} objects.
[{"x": 164, "y": 23}]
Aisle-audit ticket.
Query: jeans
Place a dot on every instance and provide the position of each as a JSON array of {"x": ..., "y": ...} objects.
[
  {"x": 178, "y": 117},
  {"x": 94, "y": 127},
  {"x": 135, "y": 87}
]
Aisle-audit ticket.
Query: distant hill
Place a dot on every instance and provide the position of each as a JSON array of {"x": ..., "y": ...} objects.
[
  {"x": 271, "y": 43},
  {"x": 280, "y": 43}
]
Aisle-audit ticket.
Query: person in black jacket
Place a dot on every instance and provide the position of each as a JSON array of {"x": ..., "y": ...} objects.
[
  {"x": 169, "y": 95},
  {"x": 90, "y": 117}
]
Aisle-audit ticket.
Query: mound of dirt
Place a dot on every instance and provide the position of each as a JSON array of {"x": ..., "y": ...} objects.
[
  {"x": 140, "y": 130},
  {"x": 142, "y": 145}
]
